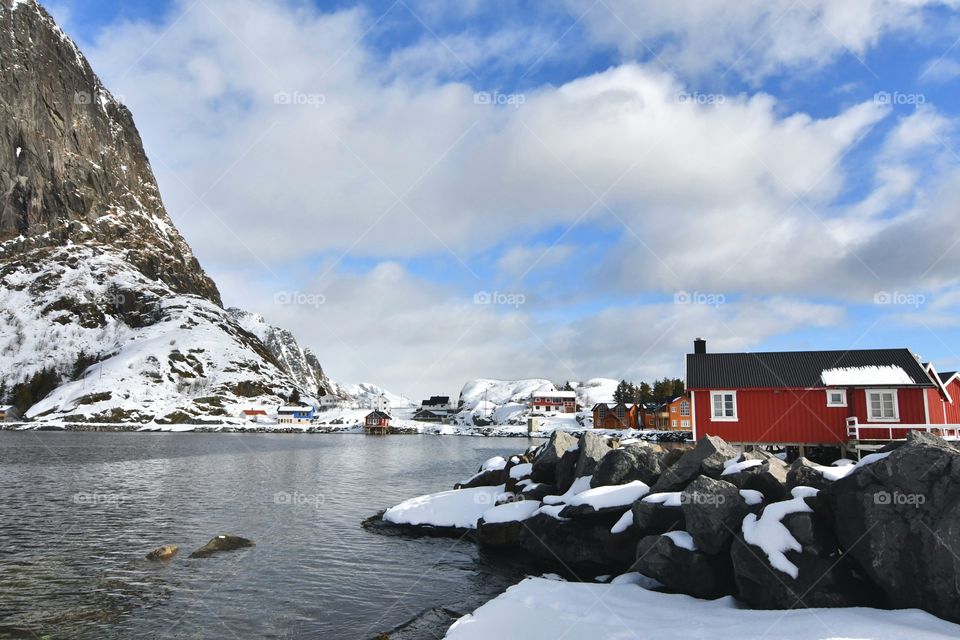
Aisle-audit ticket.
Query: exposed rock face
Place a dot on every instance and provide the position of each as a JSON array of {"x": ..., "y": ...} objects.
[
  {"x": 899, "y": 518},
  {"x": 94, "y": 277},
  {"x": 803, "y": 473},
  {"x": 73, "y": 166},
  {"x": 592, "y": 448}
]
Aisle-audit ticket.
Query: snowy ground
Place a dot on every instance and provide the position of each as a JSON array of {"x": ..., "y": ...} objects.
[{"x": 541, "y": 608}]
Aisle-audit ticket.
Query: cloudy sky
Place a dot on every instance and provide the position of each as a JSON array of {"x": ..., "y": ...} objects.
[{"x": 430, "y": 191}]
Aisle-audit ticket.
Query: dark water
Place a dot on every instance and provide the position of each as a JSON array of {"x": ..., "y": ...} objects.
[{"x": 78, "y": 511}]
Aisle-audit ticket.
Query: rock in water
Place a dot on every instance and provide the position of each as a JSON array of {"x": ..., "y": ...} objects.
[
  {"x": 91, "y": 262},
  {"x": 899, "y": 518},
  {"x": 163, "y": 553},
  {"x": 222, "y": 543}
]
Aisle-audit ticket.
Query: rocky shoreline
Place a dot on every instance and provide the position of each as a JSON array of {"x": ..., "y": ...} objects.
[{"x": 712, "y": 521}]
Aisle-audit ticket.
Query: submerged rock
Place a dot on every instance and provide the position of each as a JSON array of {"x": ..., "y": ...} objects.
[
  {"x": 163, "y": 553},
  {"x": 222, "y": 543}
]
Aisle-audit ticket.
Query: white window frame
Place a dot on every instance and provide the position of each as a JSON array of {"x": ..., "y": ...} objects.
[
  {"x": 684, "y": 405},
  {"x": 843, "y": 398},
  {"x": 713, "y": 406},
  {"x": 896, "y": 406}
]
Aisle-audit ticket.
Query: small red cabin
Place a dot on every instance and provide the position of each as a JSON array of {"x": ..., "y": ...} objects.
[
  {"x": 377, "y": 421},
  {"x": 836, "y": 398},
  {"x": 562, "y": 401}
]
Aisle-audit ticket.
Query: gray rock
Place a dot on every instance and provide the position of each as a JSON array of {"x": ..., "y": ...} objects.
[
  {"x": 803, "y": 473},
  {"x": 567, "y": 471},
  {"x": 898, "y": 519},
  {"x": 499, "y": 534},
  {"x": 545, "y": 462},
  {"x": 769, "y": 478},
  {"x": 593, "y": 447},
  {"x": 538, "y": 491},
  {"x": 640, "y": 461},
  {"x": 706, "y": 458},
  {"x": 222, "y": 543},
  {"x": 651, "y": 518},
  {"x": 164, "y": 553},
  {"x": 492, "y": 478},
  {"x": 691, "y": 572},
  {"x": 584, "y": 544},
  {"x": 824, "y": 578},
  {"x": 713, "y": 511}
]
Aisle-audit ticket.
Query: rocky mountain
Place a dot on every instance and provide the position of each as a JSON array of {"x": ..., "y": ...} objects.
[{"x": 105, "y": 313}]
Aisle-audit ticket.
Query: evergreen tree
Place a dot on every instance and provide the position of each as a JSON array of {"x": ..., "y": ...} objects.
[{"x": 622, "y": 392}]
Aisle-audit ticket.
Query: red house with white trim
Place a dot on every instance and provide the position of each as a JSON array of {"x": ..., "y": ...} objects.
[
  {"x": 831, "y": 398},
  {"x": 561, "y": 401}
]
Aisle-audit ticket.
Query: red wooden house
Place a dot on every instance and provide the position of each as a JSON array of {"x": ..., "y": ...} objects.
[
  {"x": 560, "y": 401},
  {"x": 376, "y": 422},
  {"x": 834, "y": 398},
  {"x": 614, "y": 415}
]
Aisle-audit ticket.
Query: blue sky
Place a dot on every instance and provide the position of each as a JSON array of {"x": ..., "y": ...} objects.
[{"x": 793, "y": 162}]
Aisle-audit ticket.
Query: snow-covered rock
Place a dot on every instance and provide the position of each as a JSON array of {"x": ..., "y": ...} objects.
[{"x": 460, "y": 508}]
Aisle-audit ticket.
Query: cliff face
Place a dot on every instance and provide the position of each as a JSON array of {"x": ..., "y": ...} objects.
[
  {"x": 105, "y": 314},
  {"x": 72, "y": 166}
]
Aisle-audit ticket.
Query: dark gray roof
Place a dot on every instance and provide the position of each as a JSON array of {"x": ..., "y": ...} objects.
[
  {"x": 946, "y": 375},
  {"x": 791, "y": 369}
]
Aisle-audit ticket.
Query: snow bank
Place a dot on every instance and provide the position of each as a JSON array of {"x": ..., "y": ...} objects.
[
  {"x": 669, "y": 499},
  {"x": 521, "y": 470},
  {"x": 538, "y": 608},
  {"x": 732, "y": 466},
  {"x": 621, "y": 495},
  {"x": 770, "y": 534},
  {"x": 511, "y": 511},
  {"x": 494, "y": 464},
  {"x": 859, "y": 376},
  {"x": 579, "y": 485},
  {"x": 460, "y": 508}
]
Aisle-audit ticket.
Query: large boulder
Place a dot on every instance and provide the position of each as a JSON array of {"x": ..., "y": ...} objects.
[
  {"x": 592, "y": 448},
  {"x": 637, "y": 461},
  {"x": 769, "y": 477},
  {"x": 658, "y": 513},
  {"x": 899, "y": 518},
  {"x": 545, "y": 462},
  {"x": 805, "y": 473},
  {"x": 567, "y": 470},
  {"x": 712, "y": 511},
  {"x": 799, "y": 564},
  {"x": 682, "y": 567},
  {"x": 489, "y": 478},
  {"x": 582, "y": 544},
  {"x": 706, "y": 458}
]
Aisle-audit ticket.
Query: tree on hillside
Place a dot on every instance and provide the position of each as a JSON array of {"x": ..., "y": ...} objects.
[{"x": 623, "y": 393}]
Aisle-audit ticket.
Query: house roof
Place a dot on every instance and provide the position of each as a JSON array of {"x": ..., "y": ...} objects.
[
  {"x": 6, "y": 407},
  {"x": 795, "y": 369},
  {"x": 251, "y": 412},
  {"x": 436, "y": 400},
  {"x": 946, "y": 376},
  {"x": 294, "y": 409},
  {"x": 378, "y": 414},
  {"x": 554, "y": 394}
]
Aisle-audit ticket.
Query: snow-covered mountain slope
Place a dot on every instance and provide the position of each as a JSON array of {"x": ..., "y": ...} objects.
[
  {"x": 595, "y": 390},
  {"x": 302, "y": 365},
  {"x": 500, "y": 392},
  {"x": 105, "y": 314},
  {"x": 365, "y": 392}
]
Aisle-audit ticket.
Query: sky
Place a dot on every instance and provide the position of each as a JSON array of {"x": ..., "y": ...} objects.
[{"x": 427, "y": 192}]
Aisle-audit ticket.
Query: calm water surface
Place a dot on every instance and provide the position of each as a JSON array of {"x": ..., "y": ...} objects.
[{"x": 78, "y": 511}]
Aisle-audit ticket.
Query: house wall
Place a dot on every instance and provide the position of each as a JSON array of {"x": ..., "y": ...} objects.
[
  {"x": 941, "y": 411},
  {"x": 796, "y": 415}
]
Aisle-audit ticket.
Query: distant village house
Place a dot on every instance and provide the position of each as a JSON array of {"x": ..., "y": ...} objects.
[
  {"x": 376, "y": 422},
  {"x": 609, "y": 415},
  {"x": 560, "y": 401},
  {"x": 295, "y": 415}
]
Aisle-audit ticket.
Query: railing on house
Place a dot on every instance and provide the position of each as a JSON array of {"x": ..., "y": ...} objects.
[{"x": 897, "y": 431}]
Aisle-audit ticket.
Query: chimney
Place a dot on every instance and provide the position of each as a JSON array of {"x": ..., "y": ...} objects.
[{"x": 699, "y": 346}]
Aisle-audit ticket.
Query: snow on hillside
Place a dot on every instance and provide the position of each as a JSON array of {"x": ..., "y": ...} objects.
[
  {"x": 501, "y": 392},
  {"x": 594, "y": 391},
  {"x": 365, "y": 392},
  {"x": 125, "y": 347}
]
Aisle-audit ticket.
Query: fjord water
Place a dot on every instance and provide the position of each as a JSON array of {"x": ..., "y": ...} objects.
[{"x": 78, "y": 512}]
